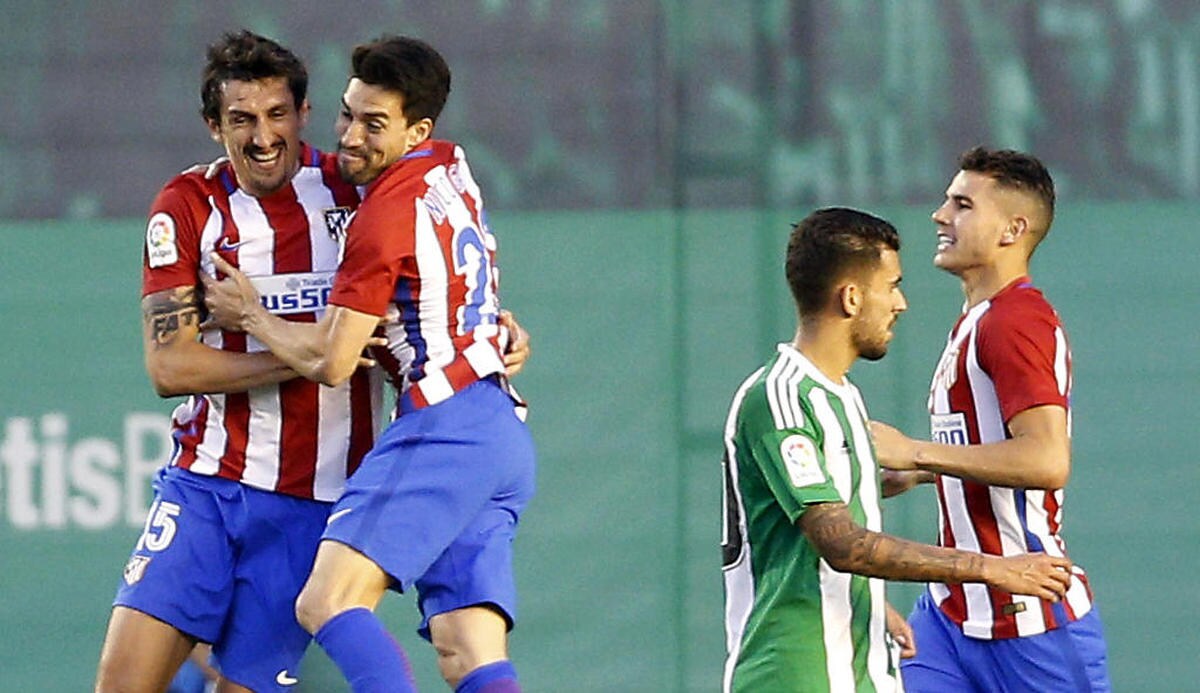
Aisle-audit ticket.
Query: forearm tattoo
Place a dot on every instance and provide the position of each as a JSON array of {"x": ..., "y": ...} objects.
[
  {"x": 166, "y": 312},
  {"x": 849, "y": 547}
]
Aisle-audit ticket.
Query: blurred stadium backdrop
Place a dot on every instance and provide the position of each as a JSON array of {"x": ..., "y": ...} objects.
[{"x": 641, "y": 161}]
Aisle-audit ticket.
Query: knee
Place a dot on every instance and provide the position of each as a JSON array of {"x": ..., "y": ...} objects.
[
  {"x": 452, "y": 663},
  {"x": 467, "y": 639},
  {"x": 314, "y": 608}
]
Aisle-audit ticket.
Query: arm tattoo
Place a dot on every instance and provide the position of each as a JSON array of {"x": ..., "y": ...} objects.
[
  {"x": 848, "y": 547},
  {"x": 165, "y": 312}
]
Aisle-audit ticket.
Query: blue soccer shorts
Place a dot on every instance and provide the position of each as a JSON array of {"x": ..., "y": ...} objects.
[
  {"x": 223, "y": 563},
  {"x": 1072, "y": 658},
  {"x": 436, "y": 503}
]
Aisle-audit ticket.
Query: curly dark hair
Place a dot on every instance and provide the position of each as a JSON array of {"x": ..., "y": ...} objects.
[{"x": 246, "y": 56}]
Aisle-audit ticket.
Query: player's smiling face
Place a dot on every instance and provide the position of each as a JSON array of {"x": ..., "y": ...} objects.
[
  {"x": 969, "y": 222},
  {"x": 260, "y": 129},
  {"x": 373, "y": 132}
]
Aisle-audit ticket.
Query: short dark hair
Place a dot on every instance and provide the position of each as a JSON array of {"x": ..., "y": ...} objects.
[
  {"x": 408, "y": 66},
  {"x": 246, "y": 56},
  {"x": 1016, "y": 170},
  {"x": 830, "y": 244}
]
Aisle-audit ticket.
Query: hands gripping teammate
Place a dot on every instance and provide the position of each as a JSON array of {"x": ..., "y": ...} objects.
[
  {"x": 434, "y": 506},
  {"x": 261, "y": 454}
]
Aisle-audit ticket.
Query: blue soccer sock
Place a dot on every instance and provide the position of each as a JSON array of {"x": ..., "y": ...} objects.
[
  {"x": 369, "y": 657},
  {"x": 497, "y": 677}
]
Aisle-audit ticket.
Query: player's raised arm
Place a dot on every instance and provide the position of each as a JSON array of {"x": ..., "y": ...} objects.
[{"x": 850, "y": 548}]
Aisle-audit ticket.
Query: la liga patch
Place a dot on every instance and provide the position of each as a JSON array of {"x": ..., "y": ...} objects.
[
  {"x": 799, "y": 455},
  {"x": 161, "y": 248}
]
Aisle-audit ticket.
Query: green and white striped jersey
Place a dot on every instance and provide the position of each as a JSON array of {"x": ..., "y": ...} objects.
[{"x": 795, "y": 438}]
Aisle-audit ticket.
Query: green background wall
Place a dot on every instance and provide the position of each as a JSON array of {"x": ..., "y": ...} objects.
[{"x": 643, "y": 323}]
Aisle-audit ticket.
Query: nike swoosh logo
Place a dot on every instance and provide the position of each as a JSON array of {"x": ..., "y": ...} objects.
[
  {"x": 283, "y": 678},
  {"x": 343, "y": 511},
  {"x": 226, "y": 246}
]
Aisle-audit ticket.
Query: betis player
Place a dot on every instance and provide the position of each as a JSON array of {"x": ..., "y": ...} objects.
[{"x": 803, "y": 549}]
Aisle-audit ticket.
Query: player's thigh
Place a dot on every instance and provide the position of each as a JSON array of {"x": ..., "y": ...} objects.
[
  {"x": 937, "y": 666},
  {"x": 1047, "y": 663},
  {"x": 181, "y": 569},
  {"x": 342, "y": 578},
  {"x": 429, "y": 477},
  {"x": 1087, "y": 634},
  {"x": 262, "y": 644},
  {"x": 140, "y": 652},
  {"x": 476, "y": 569}
]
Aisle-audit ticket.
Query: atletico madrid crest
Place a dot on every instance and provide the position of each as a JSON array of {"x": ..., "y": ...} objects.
[
  {"x": 135, "y": 569},
  {"x": 336, "y": 221}
]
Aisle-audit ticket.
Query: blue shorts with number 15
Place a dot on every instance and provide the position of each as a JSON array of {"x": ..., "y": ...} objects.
[{"x": 223, "y": 562}]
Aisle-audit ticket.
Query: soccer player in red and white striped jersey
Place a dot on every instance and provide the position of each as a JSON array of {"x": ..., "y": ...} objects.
[
  {"x": 260, "y": 453},
  {"x": 436, "y": 502},
  {"x": 1000, "y": 420},
  {"x": 253, "y": 441},
  {"x": 292, "y": 437}
]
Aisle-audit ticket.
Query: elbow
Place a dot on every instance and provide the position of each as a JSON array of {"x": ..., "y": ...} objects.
[
  {"x": 1056, "y": 465},
  {"x": 846, "y": 553},
  {"x": 166, "y": 391},
  {"x": 1058, "y": 471},
  {"x": 165, "y": 381}
]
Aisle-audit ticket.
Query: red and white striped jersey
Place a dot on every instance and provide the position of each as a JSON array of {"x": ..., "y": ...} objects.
[
  {"x": 1004, "y": 355},
  {"x": 419, "y": 251},
  {"x": 297, "y": 438}
]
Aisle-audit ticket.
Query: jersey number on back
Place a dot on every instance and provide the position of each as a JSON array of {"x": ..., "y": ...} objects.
[{"x": 472, "y": 262}]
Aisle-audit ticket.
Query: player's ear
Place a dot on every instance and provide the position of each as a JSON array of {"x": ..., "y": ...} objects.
[
  {"x": 850, "y": 299},
  {"x": 214, "y": 129},
  {"x": 418, "y": 132},
  {"x": 304, "y": 110},
  {"x": 1017, "y": 227}
]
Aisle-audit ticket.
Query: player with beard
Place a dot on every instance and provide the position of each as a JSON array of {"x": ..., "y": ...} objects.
[
  {"x": 260, "y": 453},
  {"x": 435, "y": 505}
]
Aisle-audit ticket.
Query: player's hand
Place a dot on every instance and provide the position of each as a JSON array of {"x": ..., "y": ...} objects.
[
  {"x": 893, "y": 483},
  {"x": 365, "y": 360},
  {"x": 893, "y": 449},
  {"x": 1036, "y": 574},
  {"x": 231, "y": 301},
  {"x": 902, "y": 633},
  {"x": 378, "y": 339},
  {"x": 518, "y": 350}
]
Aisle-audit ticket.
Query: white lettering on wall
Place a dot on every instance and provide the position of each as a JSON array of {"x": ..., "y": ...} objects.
[{"x": 49, "y": 481}]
